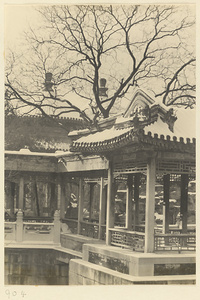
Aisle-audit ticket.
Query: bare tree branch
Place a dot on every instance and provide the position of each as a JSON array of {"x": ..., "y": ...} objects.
[{"x": 129, "y": 45}]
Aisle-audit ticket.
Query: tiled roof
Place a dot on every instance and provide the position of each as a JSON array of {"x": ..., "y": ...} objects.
[
  {"x": 105, "y": 135},
  {"x": 155, "y": 133},
  {"x": 39, "y": 133},
  {"x": 184, "y": 126},
  {"x": 105, "y": 140}
]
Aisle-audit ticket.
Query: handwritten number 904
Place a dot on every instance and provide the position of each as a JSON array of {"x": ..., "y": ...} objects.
[{"x": 13, "y": 293}]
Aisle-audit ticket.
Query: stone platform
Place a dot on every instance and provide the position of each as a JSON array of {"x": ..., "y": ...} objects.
[
  {"x": 85, "y": 273},
  {"x": 90, "y": 261},
  {"x": 103, "y": 264},
  {"x": 136, "y": 263}
]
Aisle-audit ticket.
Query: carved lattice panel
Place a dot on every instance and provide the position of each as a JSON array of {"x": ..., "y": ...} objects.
[
  {"x": 130, "y": 167},
  {"x": 177, "y": 167}
]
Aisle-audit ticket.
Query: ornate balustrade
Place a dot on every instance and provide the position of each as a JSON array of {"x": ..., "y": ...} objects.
[
  {"x": 33, "y": 231},
  {"x": 22, "y": 230},
  {"x": 178, "y": 242},
  {"x": 30, "y": 219},
  {"x": 179, "y": 231},
  {"x": 127, "y": 239},
  {"x": 38, "y": 231},
  {"x": 38, "y": 219}
]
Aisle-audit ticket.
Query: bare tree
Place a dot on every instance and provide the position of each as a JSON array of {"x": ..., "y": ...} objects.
[{"x": 148, "y": 45}]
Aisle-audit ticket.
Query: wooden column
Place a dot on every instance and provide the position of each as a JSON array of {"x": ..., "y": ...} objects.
[
  {"x": 37, "y": 206},
  {"x": 110, "y": 205},
  {"x": 102, "y": 207},
  {"x": 150, "y": 206},
  {"x": 166, "y": 186},
  {"x": 136, "y": 199},
  {"x": 61, "y": 197},
  {"x": 80, "y": 205},
  {"x": 184, "y": 201},
  {"x": 53, "y": 201},
  {"x": 91, "y": 200},
  {"x": 129, "y": 202},
  {"x": 11, "y": 198},
  {"x": 21, "y": 193},
  {"x": 17, "y": 196},
  {"x": 58, "y": 194}
]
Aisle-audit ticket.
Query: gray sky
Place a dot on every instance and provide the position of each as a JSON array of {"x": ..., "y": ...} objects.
[
  {"x": 19, "y": 16},
  {"x": 17, "y": 20}
]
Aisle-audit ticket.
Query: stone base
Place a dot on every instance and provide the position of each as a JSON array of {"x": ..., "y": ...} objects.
[
  {"x": 85, "y": 273},
  {"x": 139, "y": 264}
]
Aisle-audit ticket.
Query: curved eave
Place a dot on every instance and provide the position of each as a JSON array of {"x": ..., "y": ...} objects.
[
  {"x": 160, "y": 142},
  {"x": 106, "y": 145}
]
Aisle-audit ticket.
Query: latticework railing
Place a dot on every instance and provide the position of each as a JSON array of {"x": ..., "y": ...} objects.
[
  {"x": 127, "y": 239},
  {"x": 90, "y": 229},
  {"x": 177, "y": 242}
]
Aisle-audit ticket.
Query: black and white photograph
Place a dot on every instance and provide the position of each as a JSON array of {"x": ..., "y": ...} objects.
[{"x": 99, "y": 145}]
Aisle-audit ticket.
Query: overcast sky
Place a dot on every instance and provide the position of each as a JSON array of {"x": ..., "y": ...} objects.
[
  {"x": 19, "y": 17},
  {"x": 17, "y": 20}
]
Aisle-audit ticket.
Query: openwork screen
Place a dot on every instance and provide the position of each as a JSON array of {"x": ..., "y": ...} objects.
[
  {"x": 130, "y": 167},
  {"x": 128, "y": 240},
  {"x": 178, "y": 167}
]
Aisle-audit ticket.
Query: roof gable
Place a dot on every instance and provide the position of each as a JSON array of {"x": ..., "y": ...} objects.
[
  {"x": 145, "y": 120},
  {"x": 139, "y": 101}
]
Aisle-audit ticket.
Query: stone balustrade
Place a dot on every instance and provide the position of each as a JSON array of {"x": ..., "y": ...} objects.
[{"x": 22, "y": 231}]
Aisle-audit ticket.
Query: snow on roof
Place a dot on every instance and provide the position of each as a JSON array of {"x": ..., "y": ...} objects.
[
  {"x": 184, "y": 126},
  {"x": 103, "y": 135},
  {"x": 77, "y": 132},
  {"x": 30, "y": 153}
]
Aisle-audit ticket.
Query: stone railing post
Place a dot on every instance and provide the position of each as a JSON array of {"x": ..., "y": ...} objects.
[
  {"x": 19, "y": 222},
  {"x": 56, "y": 236}
]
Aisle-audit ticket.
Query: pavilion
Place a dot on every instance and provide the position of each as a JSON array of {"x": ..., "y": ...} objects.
[
  {"x": 149, "y": 142},
  {"x": 147, "y": 139}
]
